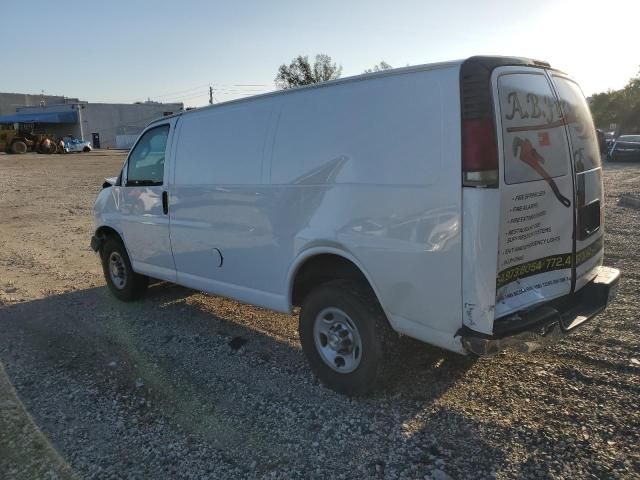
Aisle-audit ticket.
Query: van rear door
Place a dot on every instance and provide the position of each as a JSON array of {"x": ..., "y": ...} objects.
[
  {"x": 537, "y": 199},
  {"x": 589, "y": 198}
]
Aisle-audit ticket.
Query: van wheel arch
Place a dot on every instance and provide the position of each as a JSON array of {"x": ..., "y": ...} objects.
[
  {"x": 344, "y": 331},
  {"x": 322, "y": 268},
  {"x": 104, "y": 232}
]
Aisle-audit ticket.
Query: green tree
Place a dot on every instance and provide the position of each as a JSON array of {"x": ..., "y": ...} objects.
[
  {"x": 378, "y": 67},
  {"x": 300, "y": 72},
  {"x": 621, "y": 107}
]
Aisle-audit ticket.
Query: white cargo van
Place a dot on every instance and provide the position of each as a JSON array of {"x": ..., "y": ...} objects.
[{"x": 459, "y": 203}]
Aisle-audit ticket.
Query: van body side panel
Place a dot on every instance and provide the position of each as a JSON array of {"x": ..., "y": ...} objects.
[
  {"x": 222, "y": 227},
  {"x": 373, "y": 169},
  {"x": 480, "y": 223},
  {"x": 535, "y": 255},
  {"x": 368, "y": 168}
]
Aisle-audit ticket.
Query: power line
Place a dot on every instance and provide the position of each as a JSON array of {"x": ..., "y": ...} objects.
[
  {"x": 243, "y": 84},
  {"x": 240, "y": 91},
  {"x": 176, "y": 93},
  {"x": 182, "y": 97},
  {"x": 194, "y": 95}
]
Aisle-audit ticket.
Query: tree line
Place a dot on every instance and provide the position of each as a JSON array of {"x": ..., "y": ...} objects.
[
  {"x": 619, "y": 107},
  {"x": 302, "y": 72}
]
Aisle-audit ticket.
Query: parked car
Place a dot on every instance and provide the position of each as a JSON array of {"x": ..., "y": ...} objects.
[
  {"x": 610, "y": 139},
  {"x": 625, "y": 149},
  {"x": 602, "y": 141},
  {"x": 436, "y": 201},
  {"x": 76, "y": 145}
]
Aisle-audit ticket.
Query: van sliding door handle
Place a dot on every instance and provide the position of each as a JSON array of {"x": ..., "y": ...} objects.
[{"x": 165, "y": 203}]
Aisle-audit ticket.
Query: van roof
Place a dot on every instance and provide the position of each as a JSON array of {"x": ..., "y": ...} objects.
[
  {"x": 489, "y": 61},
  {"x": 329, "y": 83}
]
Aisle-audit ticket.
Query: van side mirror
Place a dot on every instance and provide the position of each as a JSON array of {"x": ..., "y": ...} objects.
[{"x": 109, "y": 182}]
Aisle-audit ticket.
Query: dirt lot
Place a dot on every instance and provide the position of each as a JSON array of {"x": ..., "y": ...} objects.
[{"x": 153, "y": 389}]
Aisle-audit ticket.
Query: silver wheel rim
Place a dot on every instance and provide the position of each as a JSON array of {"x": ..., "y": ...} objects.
[
  {"x": 117, "y": 270},
  {"x": 337, "y": 340}
]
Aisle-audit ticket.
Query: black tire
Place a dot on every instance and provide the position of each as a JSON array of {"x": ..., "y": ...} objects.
[
  {"x": 363, "y": 310},
  {"x": 18, "y": 147},
  {"x": 133, "y": 285},
  {"x": 86, "y": 149}
]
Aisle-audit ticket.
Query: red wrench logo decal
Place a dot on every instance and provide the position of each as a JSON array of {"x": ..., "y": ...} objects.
[{"x": 531, "y": 157}]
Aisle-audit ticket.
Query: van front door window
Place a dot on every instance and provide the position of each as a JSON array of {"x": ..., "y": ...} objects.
[{"x": 146, "y": 161}]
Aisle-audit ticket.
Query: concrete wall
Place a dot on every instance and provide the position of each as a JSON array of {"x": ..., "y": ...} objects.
[
  {"x": 111, "y": 119},
  {"x": 106, "y": 119},
  {"x": 9, "y": 102}
]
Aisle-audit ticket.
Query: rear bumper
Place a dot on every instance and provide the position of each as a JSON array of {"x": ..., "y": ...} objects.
[{"x": 529, "y": 330}]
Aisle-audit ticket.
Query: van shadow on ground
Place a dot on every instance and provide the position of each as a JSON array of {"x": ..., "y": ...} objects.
[
  {"x": 167, "y": 359},
  {"x": 83, "y": 329}
]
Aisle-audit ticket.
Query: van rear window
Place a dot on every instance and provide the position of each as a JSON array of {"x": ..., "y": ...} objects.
[
  {"x": 582, "y": 133},
  {"x": 534, "y": 141}
]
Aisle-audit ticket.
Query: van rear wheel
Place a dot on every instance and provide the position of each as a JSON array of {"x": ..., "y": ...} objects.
[
  {"x": 124, "y": 283},
  {"x": 342, "y": 332}
]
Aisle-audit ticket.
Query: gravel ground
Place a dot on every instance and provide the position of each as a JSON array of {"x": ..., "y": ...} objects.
[{"x": 183, "y": 385}]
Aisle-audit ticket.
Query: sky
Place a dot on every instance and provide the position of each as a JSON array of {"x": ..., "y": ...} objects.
[{"x": 126, "y": 51}]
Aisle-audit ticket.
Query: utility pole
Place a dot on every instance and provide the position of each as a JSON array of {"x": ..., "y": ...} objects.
[{"x": 210, "y": 95}]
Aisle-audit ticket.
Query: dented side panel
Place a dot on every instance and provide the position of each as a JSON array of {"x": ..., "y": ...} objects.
[{"x": 480, "y": 222}]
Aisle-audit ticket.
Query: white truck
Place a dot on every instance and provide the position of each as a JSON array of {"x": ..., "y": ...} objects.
[{"x": 458, "y": 203}]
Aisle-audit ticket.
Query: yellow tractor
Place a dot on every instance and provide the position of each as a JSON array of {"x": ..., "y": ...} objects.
[
  {"x": 19, "y": 141},
  {"x": 12, "y": 141}
]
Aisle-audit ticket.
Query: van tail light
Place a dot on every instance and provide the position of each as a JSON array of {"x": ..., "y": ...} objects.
[
  {"x": 479, "y": 144},
  {"x": 479, "y": 141},
  {"x": 479, "y": 153}
]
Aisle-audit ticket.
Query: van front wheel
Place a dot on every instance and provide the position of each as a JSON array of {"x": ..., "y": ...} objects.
[
  {"x": 342, "y": 332},
  {"x": 124, "y": 283}
]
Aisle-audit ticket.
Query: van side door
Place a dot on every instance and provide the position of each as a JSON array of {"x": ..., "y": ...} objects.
[
  {"x": 222, "y": 235},
  {"x": 143, "y": 205}
]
